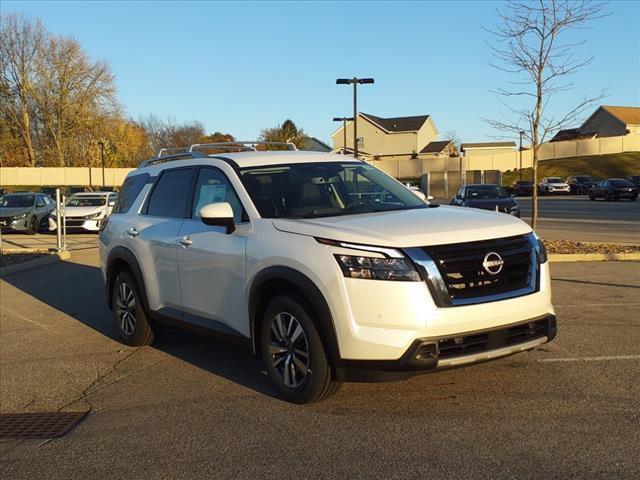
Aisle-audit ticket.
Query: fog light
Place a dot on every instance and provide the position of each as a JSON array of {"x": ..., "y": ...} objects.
[{"x": 428, "y": 351}]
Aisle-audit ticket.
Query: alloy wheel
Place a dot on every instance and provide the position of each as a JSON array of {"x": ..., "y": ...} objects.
[
  {"x": 126, "y": 308},
  {"x": 289, "y": 349}
]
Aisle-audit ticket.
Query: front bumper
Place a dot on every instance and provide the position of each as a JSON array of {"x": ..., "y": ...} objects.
[
  {"x": 11, "y": 225},
  {"x": 429, "y": 354},
  {"x": 91, "y": 225}
]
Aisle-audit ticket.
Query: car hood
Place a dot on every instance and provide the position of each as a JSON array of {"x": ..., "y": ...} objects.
[
  {"x": 14, "y": 211},
  {"x": 491, "y": 204},
  {"x": 409, "y": 228},
  {"x": 82, "y": 211}
]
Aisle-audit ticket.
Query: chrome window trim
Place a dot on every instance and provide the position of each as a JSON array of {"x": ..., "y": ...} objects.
[{"x": 437, "y": 287}]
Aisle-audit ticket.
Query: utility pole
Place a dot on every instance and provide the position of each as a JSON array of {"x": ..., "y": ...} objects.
[
  {"x": 344, "y": 121},
  {"x": 102, "y": 160},
  {"x": 355, "y": 81},
  {"x": 521, "y": 134}
]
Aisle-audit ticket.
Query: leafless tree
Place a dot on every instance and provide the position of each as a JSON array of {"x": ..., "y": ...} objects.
[
  {"x": 530, "y": 44},
  {"x": 452, "y": 136}
]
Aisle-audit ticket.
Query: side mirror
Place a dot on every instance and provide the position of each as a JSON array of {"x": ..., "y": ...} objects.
[
  {"x": 111, "y": 203},
  {"x": 218, "y": 215},
  {"x": 430, "y": 197}
]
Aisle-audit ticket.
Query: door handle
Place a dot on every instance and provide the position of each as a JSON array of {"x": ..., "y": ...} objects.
[
  {"x": 133, "y": 232},
  {"x": 186, "y": 241}
]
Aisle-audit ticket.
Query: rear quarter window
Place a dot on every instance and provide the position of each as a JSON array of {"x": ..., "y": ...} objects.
[{"x": 130, "y": 190}]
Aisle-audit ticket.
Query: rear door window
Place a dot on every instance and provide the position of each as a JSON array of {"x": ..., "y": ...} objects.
[
  {"x": 130, "y": 190},
  {"x": 171, "y": 193}
]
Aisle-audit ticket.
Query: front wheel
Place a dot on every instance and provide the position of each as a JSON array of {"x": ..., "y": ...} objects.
[
  {"x": 129, "y": 316},
  {"x": 32, "y": 229},
  {"x": 293, "y": 353}
]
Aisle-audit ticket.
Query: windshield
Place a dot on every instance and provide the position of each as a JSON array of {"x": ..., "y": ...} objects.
[
  {"x": 17, "y": 201},
  {"x": 584, "y": 179},
  {"x": 86, "y": 201},
  {"x": 621, "y": 183},
  {"x": 312, "y": 190},
  {"x": 555, "y": 180},
  {"x": 486, "y": 192}
]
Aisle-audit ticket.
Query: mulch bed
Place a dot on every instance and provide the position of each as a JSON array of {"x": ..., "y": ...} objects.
[
  {"x": 569, "y": 247},
  {"x": 13, "y": 258}
]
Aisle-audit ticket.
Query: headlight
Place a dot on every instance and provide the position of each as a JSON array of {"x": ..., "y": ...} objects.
[
  {"x": 21, "y": 216},
  {"x": 94, "y": 215},
  {"x": 542, "y": 250},
  {"x": 370, "y": 268}
]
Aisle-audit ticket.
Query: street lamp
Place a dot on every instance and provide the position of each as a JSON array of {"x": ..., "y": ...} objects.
[
  {"x": 102, "y": 160},
  {"x": 521, "y": 134},
  {"x": 344, "y": 121},
  {"x": 355, "y": 81}
]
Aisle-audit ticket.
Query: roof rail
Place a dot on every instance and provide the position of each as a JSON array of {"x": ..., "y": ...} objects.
[
  {"x": 249, "y": 145},
  {"x": 172, "y": 149},
  {"x": 170, "y": 158}
]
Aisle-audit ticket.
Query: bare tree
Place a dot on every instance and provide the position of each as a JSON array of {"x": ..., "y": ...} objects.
[
  {"x": 170, "y": 134},
  {"x": 530, "y": 44},
  {"x": 21, "y": 51},
  {"x": 453, "y": 137}
]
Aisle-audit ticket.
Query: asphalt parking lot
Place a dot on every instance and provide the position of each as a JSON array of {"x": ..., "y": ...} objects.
[{"x": 192, "y": 407}]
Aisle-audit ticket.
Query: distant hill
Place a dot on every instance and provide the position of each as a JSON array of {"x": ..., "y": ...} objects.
[{"x": 598, "y": 166}]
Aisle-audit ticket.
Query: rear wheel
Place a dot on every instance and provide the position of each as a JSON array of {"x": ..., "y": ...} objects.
[
  {"x": 293, "y": 352},
  {"x": 129, "y": 316}
]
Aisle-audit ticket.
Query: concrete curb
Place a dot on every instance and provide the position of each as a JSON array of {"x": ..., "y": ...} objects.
[
  {"x": 38, "y": 262},
  {"x": 592, "y": 257}
]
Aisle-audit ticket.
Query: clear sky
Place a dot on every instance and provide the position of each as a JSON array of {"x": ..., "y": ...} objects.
[{"x": 241, "y": 67}]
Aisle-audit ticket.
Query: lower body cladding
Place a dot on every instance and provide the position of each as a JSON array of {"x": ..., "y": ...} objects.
[
  {"x": 430, "y": 354},
  {"x": 90, "y": 225}
]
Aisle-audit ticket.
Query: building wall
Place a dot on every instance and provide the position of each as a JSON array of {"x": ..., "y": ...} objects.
[
  {"x": 605, "y": 124},
  {"x": 68, "y": 176}
]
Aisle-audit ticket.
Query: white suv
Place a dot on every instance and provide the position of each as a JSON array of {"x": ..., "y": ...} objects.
[
  {"x": 86, "y": 211},
  {"x": 325, "y": 266}
]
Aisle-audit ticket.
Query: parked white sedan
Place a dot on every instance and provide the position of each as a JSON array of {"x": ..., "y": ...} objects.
[{"x": 86, "y": 210}]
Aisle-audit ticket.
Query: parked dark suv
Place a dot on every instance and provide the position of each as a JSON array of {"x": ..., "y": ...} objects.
[
  {"x": 580, "y": 184},
  {"x": 614, "y": 189},
  {"x": 521, "y": 187}
]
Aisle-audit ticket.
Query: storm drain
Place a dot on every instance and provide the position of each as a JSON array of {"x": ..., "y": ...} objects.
[{"x": 38, "y": 425}]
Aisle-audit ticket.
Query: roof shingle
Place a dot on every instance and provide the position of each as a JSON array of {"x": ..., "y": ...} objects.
[
  {"x": 435, "y": 147},
  {"x": 398, "y": 124},
  {"x": 628, "y": 115}
]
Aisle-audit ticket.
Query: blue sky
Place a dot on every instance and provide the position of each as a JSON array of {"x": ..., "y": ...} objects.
[{"x": 241, "y": 67}]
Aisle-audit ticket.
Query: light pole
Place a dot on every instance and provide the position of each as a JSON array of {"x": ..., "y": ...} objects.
[
  {"x": 102, "y": 160},
  {"x": 355, "y": 81},
  {"x": 344, "y": 121},
  {"x": 521, "y": 134}
]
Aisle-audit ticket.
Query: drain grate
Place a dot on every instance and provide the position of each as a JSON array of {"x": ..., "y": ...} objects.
[{"x": 38, "y": 425}]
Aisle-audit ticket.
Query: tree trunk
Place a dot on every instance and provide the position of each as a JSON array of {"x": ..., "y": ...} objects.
[
  {"x": 26, "y": 138},
  {"x": 534, "y": 209}
]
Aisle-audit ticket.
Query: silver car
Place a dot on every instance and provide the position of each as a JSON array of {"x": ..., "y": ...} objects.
[{"x": 24, "y": 211}]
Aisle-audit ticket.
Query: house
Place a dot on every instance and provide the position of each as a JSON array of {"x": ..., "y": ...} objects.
[
  {"x": 439, "y": 148},
  {"x": 606, "y": 121},
  {"x": 390, "y": 138},
  {"x": 609, "y": 121},
  {"x": 487, "y": 148}
]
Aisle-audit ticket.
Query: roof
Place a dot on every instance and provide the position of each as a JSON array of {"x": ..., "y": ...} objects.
[
  {"x": 258, "y": 159},
  {"x": 436, "y": 147},
  {"x": 627, "y": 115},
  {"x": 571, "y": 134},
  {"x": 397, "y": 124},
  {"x": 465, "y": 146},
  {"x": 315, "y": 145}
]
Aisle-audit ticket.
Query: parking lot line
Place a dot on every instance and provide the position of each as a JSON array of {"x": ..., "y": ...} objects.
[{"x": 591, "y": 359}]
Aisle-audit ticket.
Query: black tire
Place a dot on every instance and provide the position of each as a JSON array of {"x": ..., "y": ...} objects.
[
  {"x": 32, "y": 229},
  {"x": 280, "y": 323},
  {"x": 591, "y": 197},
  {"x": 134, "y": 331},
  {"x": 633, "y": 199}
]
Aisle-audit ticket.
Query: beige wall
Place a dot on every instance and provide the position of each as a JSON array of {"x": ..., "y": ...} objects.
[
  {"x": 475, "y": 152},
  {"x": 72, "y": 176}
]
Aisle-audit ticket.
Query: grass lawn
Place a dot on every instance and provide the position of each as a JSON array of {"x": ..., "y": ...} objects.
[{"x": 598, "y": 166}]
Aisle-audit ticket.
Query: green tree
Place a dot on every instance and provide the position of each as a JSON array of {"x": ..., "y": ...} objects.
[{"x": 286, "y": 132}]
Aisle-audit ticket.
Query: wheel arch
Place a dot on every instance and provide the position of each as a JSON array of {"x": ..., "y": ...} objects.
[
  {"x": 119, "y": 259},
  {"x": 276, "y": 280}
]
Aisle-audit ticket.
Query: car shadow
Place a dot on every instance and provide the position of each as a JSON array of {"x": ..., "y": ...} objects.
[{"x": 78, "y": 291}]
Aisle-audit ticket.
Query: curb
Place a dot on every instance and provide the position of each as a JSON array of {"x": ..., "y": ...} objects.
[
  {"x": 38, "y": 262},
  {"x": 592, "y": 257}
]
